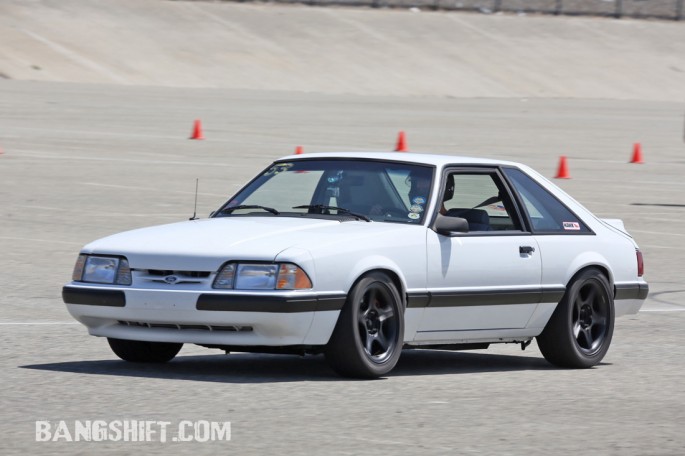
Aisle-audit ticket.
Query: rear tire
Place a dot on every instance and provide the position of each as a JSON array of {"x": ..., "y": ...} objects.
[
  {"x": 367, "y": 340},
  {"x": 579, "y": 332},
  {"x": 136, "y": 351}
]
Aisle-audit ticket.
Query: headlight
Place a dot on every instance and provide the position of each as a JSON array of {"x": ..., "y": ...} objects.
[
  {"x": 262, "y": 276},
  {"x": 102, "y": 269},
  {"x": 256, "y": 277}
]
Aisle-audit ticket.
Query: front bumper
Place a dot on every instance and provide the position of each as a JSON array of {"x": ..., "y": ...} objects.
[{"x": 207, "y": 318}]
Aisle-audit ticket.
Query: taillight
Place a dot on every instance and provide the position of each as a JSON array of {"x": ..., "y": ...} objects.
[{"x": 640, "y": 264}]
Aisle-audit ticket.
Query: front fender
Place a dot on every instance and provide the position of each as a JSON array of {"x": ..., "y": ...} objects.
[
  {"x": 301, "y": 257},
  {"x": 374, "y": 263}
]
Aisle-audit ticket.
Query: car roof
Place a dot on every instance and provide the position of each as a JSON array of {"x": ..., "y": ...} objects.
[{"x": 411, "y": 157}]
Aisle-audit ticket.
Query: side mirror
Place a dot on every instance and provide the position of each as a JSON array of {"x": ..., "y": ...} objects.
[{"x": 450, "y": 226}]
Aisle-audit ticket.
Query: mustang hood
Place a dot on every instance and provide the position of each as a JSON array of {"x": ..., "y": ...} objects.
[{"x": 208, "y": 243}]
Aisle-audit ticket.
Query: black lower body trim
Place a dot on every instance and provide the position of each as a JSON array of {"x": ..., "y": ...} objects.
[
  {"x": 90, "y": 297},
  {"x": 632, "y": 291},
  {"x": 483, "y": 298},
  {"x": 269, "y": 304},
  {"x": 418, "y": 300}
]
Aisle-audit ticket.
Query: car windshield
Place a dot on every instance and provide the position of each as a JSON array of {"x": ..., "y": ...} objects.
[{"x": 358, "y": 189}]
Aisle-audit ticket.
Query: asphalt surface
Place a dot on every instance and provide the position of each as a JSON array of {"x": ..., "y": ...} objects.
[{"x": 79, "y": 161}]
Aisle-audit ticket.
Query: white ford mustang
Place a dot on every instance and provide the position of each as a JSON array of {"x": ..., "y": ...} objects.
[{"x": 359, "y": 255}]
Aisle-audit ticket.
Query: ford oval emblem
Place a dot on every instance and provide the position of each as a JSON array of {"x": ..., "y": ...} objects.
[{"x": 172, "y": 279}]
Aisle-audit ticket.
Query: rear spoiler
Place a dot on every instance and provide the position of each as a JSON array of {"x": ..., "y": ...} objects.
[{"x": 616, "y": 223}]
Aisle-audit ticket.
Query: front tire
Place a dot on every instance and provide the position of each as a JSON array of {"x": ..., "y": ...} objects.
[
  {"x": 367, "y": 340},
  {"x": 579, "y": 332},
  {"x": 136, "y": 351}
]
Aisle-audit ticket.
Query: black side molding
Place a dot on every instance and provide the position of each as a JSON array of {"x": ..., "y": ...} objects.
[
  {"x": 269, "y": 304},
  {"x": 90, "y": 297},
  {"x": 483, "y": 298},
  {"x": 632, "y": 291}
]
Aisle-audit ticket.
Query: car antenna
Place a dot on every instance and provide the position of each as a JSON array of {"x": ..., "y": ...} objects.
[{"x": 194, "y": 217}]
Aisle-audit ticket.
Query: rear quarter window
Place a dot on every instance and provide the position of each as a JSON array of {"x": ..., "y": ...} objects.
[{"x": 547, "y": 214}]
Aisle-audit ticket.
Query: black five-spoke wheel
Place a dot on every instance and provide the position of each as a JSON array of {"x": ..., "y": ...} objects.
[
  {"x": 378, "y": 322},
  {"x": 590, "y": 317},
  {"x": 579, "y": 332},
  {"x": 367, "y": 340}
]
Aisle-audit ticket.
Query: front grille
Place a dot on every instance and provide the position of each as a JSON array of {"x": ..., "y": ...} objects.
[
  {"x": 171, "y": 277},
  {"x": 164, "y": 273},
  {"x": 229, "y": 328}
]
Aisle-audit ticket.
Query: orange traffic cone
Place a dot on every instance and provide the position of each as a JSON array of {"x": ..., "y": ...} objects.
[
  {"x": 197, "y": 130},
  {"x": 299, "y": 150},
  {"x": 562, "y": 172},
  {"x": 637, "y": 154},
  {"x": 401, "y": 143}
]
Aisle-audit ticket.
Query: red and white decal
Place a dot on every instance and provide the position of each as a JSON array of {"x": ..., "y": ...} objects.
[{"x": 572, "y": 226}]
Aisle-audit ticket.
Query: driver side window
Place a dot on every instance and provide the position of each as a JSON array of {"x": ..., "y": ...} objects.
[{"x": 481, "y": 199}]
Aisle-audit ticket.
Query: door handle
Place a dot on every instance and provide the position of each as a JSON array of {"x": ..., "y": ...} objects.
[{"x": 526, "y": 249}]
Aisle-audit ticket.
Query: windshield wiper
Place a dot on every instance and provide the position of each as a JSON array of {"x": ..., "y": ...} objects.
[
  {"x": 323, "y": 207},
  {"x": 228, "y": 210}
]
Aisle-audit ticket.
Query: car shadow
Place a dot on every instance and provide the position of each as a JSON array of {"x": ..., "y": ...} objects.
[{"x": 262, "y": 368}]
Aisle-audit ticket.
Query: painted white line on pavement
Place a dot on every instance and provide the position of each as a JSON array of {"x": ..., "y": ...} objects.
[
  {"x": 131, "y": 187},
  {"x": 52, "y": 241},
  {"x": 668, "y": 247},
  {"x": 660, "y": 233},
  {"x": 662, "y": 310},
  {"x": 21, "y": 323},
  {"x": 125, "y": 160}
]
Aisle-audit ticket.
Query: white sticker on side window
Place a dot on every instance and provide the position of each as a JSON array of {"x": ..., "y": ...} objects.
[{"x": 572, "y": 226}]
